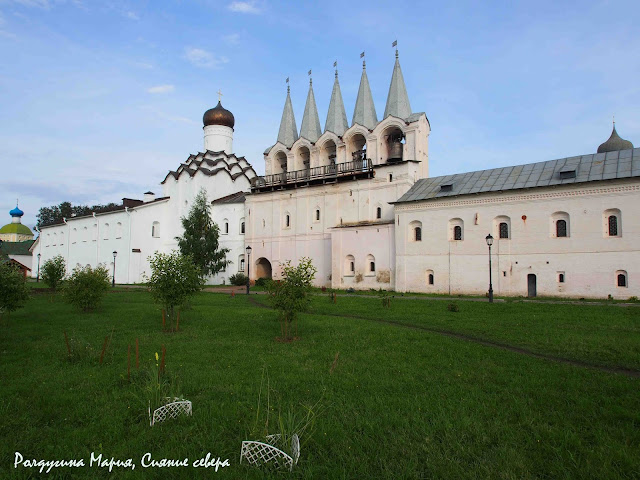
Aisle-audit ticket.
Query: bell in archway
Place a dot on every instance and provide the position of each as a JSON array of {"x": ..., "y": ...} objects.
[{"x": 395, "y": 149}]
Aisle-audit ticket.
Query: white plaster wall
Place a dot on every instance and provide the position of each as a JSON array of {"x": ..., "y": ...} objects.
[
  {"x": 588, "y": 257},
  {"x": 218, "y": 138},
  {"x": 341, "y": 203}
]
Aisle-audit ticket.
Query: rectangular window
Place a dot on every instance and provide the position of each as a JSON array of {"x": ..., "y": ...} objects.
[{"x": 504, "y": 230}]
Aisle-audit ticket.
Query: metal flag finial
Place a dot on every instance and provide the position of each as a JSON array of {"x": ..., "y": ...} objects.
[
  {"x": 614, "y": 121},
  {"x": 364, "y": 65},
  {"x": 287, "y": 82},
  {"x": 395, "y": 44},
  {"x": 335, "y": 65},
  {"x": 310, "y": 79}
]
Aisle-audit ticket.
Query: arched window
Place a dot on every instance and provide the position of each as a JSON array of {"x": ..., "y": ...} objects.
[
  {"x": 317, "y": 214},
  {"x": 613, "y": 225},
  {"x": 415, "y": 231},
  {"x": 241, "y": 263},
  {"x": 504, "y": 230},
  {"x": 155, "y": 230},
  {"x": 561, "y": 228},
  {"x": 621, "y": 278},
  {"x": 430, "y": 277},
  {"x": 379, "y": 212},
  {"x": 560, "y": 277},
  {"x": 456, "y": 229},
  {"x": 502, "y": 227},
  {"x": 105, "y": 231},
  {"x": 287, "y": 220},
  {"x": 242, "y": 226},
  {"x": 118, "y": 230},
  {"x": 371, "y": 265},
  {"x": 560, "y": 225},
  {"x": 349, "y": 266},
  {"x": 225, "y": 224}
]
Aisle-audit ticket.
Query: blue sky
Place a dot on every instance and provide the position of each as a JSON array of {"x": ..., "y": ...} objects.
[{"x": 100, "y": 99}]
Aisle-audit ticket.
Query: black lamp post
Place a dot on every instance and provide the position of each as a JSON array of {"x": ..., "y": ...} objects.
[
  {"x": 38, "y": 275},
  {"x": 489, "y": 240},
  {"x": 113, "y": 282},
  {"x": 248, "y": 249}
]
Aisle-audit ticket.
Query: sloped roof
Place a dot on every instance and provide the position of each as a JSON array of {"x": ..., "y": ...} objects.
[
  {"x": 397, "y": 99},
  {"x": 364, "y": 112},
  {"x": 288, "y": 132},
  {"x": 16, "y": 248},
  {"x": 580, "y": 169},
  {"x": 310, "y": 128},
  {"x": 336, "y": 116},
  {"x": 237, "y": 197},
  {"x": 18, "y": 228}
]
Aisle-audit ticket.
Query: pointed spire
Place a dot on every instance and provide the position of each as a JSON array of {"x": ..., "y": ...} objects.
[
  {"x": 288, "y": 132},
  {"x": 365, "y": 111},
  {"x": 336, "y": 116},
  {"x": 310, "y": 128},
  {"x": 397, "y": 100}
]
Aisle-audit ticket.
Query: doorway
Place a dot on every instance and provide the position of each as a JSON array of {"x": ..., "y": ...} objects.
[{"x": 531, "y": 285}]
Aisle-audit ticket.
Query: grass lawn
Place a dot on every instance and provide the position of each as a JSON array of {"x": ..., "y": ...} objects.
[{"x": 400, "y": 403}]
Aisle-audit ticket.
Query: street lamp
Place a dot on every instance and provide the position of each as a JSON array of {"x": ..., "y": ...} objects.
[
  {"x": 38, "y": 275},
  {"x": 113, "y": 282},
  {"x": 489, "y": 240},
  {"x": 248, "y": 249}
]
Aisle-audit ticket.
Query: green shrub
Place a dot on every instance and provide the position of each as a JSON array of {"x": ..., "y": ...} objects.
[
  {"x": 13, "y": 288},
  {"x": 86, "y": 286},
  {"x": 453, "y": 307},
  {"x": 238, "y": 279},
  {"x": 262, "y": 282},
  {"x": 53, "y": 271},
  {"x": 175, "y": 278}
]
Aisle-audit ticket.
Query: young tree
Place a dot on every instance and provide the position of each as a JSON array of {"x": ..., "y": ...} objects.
[
  {"x": 174, "y": 279},
  {"x": 86, "y": 286},
  {"x": 53, "y": 272},
  {"x": 292, "y": 295},
  {"x": 13, "y": 288},
  {"x": 200, "y": 238}
]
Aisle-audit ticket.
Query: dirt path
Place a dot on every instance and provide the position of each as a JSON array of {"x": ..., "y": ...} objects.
[{"x": 488, "y": 343}]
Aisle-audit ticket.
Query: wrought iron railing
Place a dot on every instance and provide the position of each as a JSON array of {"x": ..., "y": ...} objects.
[{"x": 355, "y": 167}]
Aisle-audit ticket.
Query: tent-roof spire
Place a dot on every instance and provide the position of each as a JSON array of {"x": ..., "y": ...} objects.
[
  {"x": 288, "y": 132},
  {"x": 398, "y": 99},
  {"x": 336, "y": 116},
  {"x": 310, "y": 128},
  {"x": 365, "y": 111}
]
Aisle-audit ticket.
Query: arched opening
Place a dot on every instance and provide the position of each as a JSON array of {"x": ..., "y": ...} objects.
[
  {"x": 263, "y": 268},
  {"x": 155, "y": 230},
  {"x": 456, "y": 229},
  {"x": 415, "y": 231},
  {"x": 613, "y": 225},
  {"x": 303, "y": 161},
  {"x": 280, "y": 163},
  {"x": 371, "y": 265},
  {"x": 357, "y": 147},
  {"x": 621, "y": 278},
  {"x": 349, "y": 266},
  {"x": 394, "y": 140},
  {"x": 430, "y": 277},
  {"x": 378, "y": 212},
  {"x": 328, "y": 153}
]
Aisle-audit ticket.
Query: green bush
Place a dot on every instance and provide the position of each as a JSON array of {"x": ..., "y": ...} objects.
[
  {"x": 13, "y": 288},
  {"x": 175, "y": 278},
  {"x": 262, "y": 282},
  {"x": 238, "y": 279},
  {"x": 53, "y": 271},
  {"x": 86, "y": 286}
]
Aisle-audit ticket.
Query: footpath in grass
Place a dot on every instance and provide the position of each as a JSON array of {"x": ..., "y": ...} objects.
[
  {"x": 398, "y": 403},
  {"x": 606, "y": 335}
]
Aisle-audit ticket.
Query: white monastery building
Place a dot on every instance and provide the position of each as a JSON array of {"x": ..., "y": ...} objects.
[{"x": 357, "y": 199}]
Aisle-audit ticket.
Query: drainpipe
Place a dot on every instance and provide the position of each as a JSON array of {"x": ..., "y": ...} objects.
[
  {"x": 97, "y": 239},
  {"x": 68, "y": 238},
  {"x": 126, "y": 209}
]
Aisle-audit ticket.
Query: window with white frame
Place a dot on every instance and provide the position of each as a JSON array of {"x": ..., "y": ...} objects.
[
  {"x": 415, "y": 231},
  {"x": 560, "y": 225},
  {"x": 155, "y": 229},
  {"x": 502, "y": 227},
  {"x": 371, "y": 265},
  {"x": 349, "y": 266},
  {"x": 456, "y": 229},
  {"x": 241, "y": 263}
]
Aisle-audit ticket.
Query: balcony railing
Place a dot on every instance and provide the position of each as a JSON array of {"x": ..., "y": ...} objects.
[{"x": 325, "y": 172}]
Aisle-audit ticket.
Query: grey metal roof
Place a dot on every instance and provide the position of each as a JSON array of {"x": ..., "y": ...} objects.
[
  {"x": 398, "y": 99},
  {"x": 310, "y": 128},
  {"x": 336, "y": 116},
  {"x": 588, "y": 168},
  {"x": 365, "y": 111},
  {"x": 288, "y": 132}
]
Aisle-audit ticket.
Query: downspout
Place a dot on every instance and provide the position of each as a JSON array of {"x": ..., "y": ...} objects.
[
  {"x": 449, "y": 267},
  {"x": 68, "y": 238}
]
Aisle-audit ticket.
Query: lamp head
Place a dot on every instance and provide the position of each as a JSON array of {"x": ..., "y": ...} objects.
[
  {"x": 248, "y": 249},
  {"x": 115, "y": 254},
  {"x": 489, "y": 239}
]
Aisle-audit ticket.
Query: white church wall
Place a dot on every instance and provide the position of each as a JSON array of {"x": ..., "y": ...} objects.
[{"x": 588, "y": 258}]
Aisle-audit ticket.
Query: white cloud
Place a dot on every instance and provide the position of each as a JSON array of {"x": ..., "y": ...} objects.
[
  {"x": 232, "y": 39},
  {"x": 33, "y": 3},
  {"x": 244, "y": 7},
  {"x": 131, "y": 15},
  {"x": 161, "y": 89},
  {"x": 203, "y": 58}
]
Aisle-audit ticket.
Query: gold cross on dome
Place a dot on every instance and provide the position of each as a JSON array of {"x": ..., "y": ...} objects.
[{"x": 219, "y": 95}]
